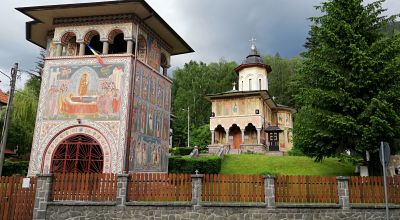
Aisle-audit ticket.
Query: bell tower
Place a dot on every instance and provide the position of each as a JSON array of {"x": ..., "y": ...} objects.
[{"x": 253, "y": 73}]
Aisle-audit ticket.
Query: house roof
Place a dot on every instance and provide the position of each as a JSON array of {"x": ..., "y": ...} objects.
[
  {"x": 237, "y": 94},
  {"x": 37, "y": 30},
  {"x": 3, "y": 98}
]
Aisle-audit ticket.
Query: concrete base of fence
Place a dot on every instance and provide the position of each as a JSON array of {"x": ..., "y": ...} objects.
[{"x": 222, "y": 213}]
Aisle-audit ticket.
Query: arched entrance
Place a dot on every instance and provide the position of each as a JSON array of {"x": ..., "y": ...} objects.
[
  {"x": 220, "y": 135},
  {"x": 236, "y": 134},
  {"x": 250, "y": 134},
  {"x": 78, "y": 154}
]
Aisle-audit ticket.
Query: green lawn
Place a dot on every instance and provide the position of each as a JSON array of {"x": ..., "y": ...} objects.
[{"x": 286, "y": 165}]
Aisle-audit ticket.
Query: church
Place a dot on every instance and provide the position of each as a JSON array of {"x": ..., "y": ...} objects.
[
  {"x": 105, "y": 97},
  {"x": 247, "y": 119}
]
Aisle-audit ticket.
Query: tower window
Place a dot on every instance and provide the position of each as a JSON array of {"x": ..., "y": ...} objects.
[
  {"x": 259, "y": 84},
  {"x": 249, "y": 84},
  {"x": 119, "y": 44},
  {"x": 94, "y": 42}
]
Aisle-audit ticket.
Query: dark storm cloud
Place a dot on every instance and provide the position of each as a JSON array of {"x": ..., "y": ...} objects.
[{"x": 214, "y": 28}]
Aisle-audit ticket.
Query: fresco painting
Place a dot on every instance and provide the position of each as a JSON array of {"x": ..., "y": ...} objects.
[
  {"x": 154, "y": 48},
  {"x": 84, "y": 91},
  {"x": 149, "y": 146}
]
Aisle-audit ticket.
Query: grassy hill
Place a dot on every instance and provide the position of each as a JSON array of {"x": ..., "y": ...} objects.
[{"x": 287, "y": 165}]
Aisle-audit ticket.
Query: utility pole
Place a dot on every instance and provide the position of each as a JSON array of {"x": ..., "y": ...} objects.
[
  {"x": 188, "y": 127},
  {"x": 4, "y": 133}
]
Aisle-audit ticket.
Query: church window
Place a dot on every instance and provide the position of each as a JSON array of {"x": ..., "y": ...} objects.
[
  {"x": 92, "y": 38},
  {"x": 70, "y": 47},
  {"x": 242, "y": 85},
  {"x": 118, "y": 44},
  {"x": 164, "y": 64},
  {"x": 249, "y": 84},
  {"x": 78, "y": 154},
  {"x": 259, "y": 84}
]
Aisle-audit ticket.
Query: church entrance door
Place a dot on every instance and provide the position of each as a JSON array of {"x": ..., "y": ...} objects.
[
  {"x": 236, "y": 134},
  {"x": 78, "y": 154}
]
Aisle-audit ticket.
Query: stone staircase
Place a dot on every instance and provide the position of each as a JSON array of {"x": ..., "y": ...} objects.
[{"x": 234, "y": 151}]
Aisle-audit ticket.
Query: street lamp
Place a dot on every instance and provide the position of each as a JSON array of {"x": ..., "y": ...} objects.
[{"x": 188, "y": 125}]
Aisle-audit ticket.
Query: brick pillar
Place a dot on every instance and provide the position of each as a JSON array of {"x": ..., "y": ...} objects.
[
  {"x": 122, "y": 189},
  {"x": 269, "y": 190},
  {"x": 343, "y": 191},
  {"x": 43, "y": 190},
  {"x": 196, "y": 189}
]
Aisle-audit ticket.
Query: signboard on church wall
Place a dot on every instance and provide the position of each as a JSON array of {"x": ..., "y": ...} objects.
[{"x": 150, "y": 133}]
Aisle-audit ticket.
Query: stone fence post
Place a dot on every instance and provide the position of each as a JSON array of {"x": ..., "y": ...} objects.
[
  {"x": 196, "y": 189},
  {"x": 43, "y": 190},
  {"x": 343, "y": 191},
  {"x": 122, "y": 189},
  {"x": 269, "y": 190}
]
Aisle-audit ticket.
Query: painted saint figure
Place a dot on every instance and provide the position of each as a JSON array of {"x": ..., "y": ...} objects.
[{"x": 83, "y": 85}]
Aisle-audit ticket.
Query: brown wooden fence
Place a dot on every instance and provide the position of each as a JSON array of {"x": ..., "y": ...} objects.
[
  {"x": 84, "y": 187},
  {"x": 159, "y": 187},
  {"x": 16, "y": 202},
  {"x": 306, "y": 189},
  {"x": 233, "y": 188},
  {"x": 371, "y": 190}
]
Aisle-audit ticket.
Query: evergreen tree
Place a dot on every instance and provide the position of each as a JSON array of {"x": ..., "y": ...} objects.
[{"x": 347, "y": 90}]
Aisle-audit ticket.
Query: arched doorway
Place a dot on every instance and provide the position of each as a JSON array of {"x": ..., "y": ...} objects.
[
  {"x": 78, "y": 154},
  {"x": 236, "y": 134},
  {"x": 220, "y": 135},
  {"x": 250, "y": 134}
]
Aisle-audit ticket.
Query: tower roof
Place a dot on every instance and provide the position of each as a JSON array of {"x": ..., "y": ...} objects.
[
  {"x": 43, "y": 16},
  {"x": 253, "y": 59}
]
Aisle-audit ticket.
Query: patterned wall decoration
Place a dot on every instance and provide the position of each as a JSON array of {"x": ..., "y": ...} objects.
[
  {"x": 85, "y": 91},
  {"x": 81, "y": 88},
  {"x": 150, "y": 133}
]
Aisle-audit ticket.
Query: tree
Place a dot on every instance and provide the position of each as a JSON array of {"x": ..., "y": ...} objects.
[
  {"x": 189, "y": 86},
  {"x": 347, "y": 90},
  {"x": 283, "y": 72}
]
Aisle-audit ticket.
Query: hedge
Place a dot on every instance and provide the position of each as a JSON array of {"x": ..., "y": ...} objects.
[
  {"x": 15, "y": 167},
  {"x": 179, "y": 164}
]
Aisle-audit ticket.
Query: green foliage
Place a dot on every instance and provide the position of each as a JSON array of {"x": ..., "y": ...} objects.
[
  {"x": 15, "y": 168},
  {"x": 201, "y": 136},
  {"x": 283, "y": 72},
  {"x": 347, "y": 89},
  {"x": 255, "y": 164},
  {"x": 211, "y": 164},
  {"x": 295, "y": 152},
  {"x": 190, "y": 84},
  {"x": 181, "y": 151}
]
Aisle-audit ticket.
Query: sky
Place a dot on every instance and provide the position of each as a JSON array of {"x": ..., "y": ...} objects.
[{"x": 215, "y": 29}]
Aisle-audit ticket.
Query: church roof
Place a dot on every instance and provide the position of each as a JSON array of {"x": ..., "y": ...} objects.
[
  {"x": 37, "y": 30},
  {"x": 238, "y": 94},
  {"x": 253, "y": 59}
]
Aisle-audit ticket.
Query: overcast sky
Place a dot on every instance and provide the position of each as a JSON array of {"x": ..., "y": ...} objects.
[{"x": 215, "y": 29}]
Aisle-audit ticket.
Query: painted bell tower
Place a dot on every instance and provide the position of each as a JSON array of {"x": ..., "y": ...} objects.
[{"x": 105, "y": 96}]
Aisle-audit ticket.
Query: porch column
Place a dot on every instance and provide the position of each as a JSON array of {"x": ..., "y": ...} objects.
[
  {"x": 227, "y": 137},
  {"x": 212, "y": 137},
  {"x": 105, "y": 47},
  {"x": 58, "y": 49},
  {"x": 258, "y": 136},
  {"x": 242, "y": 136},
  {"x": 82, "y": 49},
  {"x": 129, "y": 46}
]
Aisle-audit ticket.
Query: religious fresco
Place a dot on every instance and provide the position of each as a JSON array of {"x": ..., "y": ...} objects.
[
  {"x": 142, "y": 48},
  {"x": 150, "y": 133},
  {"x": 154, "y": 56},
  {"x": 84, "y": 91}
]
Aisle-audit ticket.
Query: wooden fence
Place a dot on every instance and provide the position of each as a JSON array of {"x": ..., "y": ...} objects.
[
  {"x": 306, "y": 189},
  {"x": 370, "y": 189},
  {"x": 84, "y": 187},
  {"x": 159, "y": 187},
  {"x": 16, "y": 202},
  {"x": 233, "y": 188}
]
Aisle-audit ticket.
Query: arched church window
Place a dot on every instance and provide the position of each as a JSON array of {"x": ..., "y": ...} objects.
[
  {"x": 118, "y": 44},
  {"x": 78, "y": 154},
  {"x": 249, "y": 84},
  {"x": 259, "y": 84},
  {"x": 70, "y": 47},
  {"x": 92, "y": 38}
]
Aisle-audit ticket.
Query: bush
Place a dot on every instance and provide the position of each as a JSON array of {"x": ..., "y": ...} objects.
[
  {"x": 179, "y": 164},
  {"x": 182, "y": 151},
  {"x": 295, "y": 152},
  {"x": 15, "y": 168}
]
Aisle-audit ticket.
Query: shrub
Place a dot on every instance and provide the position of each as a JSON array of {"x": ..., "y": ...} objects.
[
  {"x": 295, "y": 152},
  {"x": 15, "y": 167},
  {"x": 182, "y": 151},
  {"x": 179, "y": 164}
]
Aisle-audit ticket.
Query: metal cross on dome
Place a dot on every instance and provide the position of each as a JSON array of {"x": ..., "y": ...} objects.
[{"x": 253, "y": 43}]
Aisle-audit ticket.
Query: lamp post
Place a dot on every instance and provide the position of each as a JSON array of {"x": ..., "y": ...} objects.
[{"x": 188, "y": 126}]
